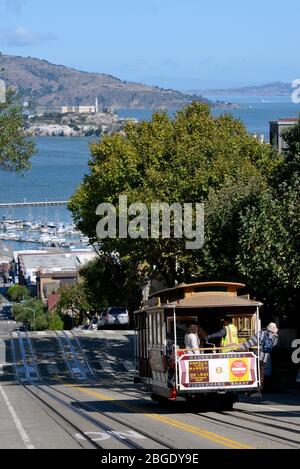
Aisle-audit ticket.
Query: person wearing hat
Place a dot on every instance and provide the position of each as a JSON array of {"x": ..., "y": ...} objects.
[
  {"x": 228, "y": 335},
  {"x": 266, "y": 340}
]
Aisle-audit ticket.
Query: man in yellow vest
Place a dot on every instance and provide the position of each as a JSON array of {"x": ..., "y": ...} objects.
[{"x": 228, "y": 335}]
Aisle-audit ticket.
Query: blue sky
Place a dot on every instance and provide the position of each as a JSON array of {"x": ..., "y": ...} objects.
[{"x": 189, "y": 44}]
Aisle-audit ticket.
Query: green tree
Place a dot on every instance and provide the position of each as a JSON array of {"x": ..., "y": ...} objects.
[
  {"x": 15, "y": 148},
  {"x": 107, "y": 282},
  {"x": 224, "y": 226},
  {"x": 32, "y": 313},
  {"x": 288, "y": 173},
  {"x": 73, "y": 300},
  {"x": 55, "y": 322},
  {"x": 185, "y": 159},
  {"x": 18, "y": 293},
  {"x": 269, "y": 238}
]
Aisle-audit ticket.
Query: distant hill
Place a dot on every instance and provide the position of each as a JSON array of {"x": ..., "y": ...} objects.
[
  {"x": 55, "y": 85},
  {"x": 271, "y": 89}
]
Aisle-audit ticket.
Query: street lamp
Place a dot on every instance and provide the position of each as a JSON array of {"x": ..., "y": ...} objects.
[{"x": 32, "y": 311}]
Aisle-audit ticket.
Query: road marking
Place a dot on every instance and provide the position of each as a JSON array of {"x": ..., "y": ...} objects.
[
  {"x": 41, "y": 333},
  {"x": 101, "y": 436},
  {"x": 168, "y": 421},
  {"x": 17, "y": 421},
  {"x": 97, "y": 436}
]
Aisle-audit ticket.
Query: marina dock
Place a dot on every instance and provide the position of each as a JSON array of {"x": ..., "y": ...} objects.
[{"x": 51, "y": 203}]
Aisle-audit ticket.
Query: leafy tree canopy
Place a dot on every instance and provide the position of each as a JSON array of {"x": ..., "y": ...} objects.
[
  {"x": 269, "y": 236},
  {"x": 31, "y": 313},
  {"x": 191, "y": 158},
  {"x": 16, "y": 148},
  {"x": 18, "y": 293}
]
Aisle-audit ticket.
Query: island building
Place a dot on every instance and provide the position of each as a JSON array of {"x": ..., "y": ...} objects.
[
  {"x": 276, "y": 129},
  {"x": 42, "y": 110}
]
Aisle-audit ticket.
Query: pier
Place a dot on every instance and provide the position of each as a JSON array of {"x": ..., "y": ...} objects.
[{"x": 51, "y": 203}]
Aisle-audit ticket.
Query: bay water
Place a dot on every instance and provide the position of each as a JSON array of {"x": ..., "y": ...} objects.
[{"x": 61, "y": 162}]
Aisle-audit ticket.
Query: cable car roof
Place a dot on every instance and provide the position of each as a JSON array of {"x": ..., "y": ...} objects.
[
  {"x": 214, "y": 301},
  {"x": 202, "y": 295},
  {"x": 190, "y": 287}
]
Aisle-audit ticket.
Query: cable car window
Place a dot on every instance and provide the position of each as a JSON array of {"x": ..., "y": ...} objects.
[
  {"x": 154, "y": 332},
  {"x": 158, "y": 328},
  {"x": 150, "y": 328},
  {"x": 182, "y": 324}
]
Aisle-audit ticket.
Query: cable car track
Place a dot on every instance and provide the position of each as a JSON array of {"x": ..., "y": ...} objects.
[
  {"x": 32, "y": 383},
  {"x": 269, "y": 436},
  {"x": 50, "y": 396}
]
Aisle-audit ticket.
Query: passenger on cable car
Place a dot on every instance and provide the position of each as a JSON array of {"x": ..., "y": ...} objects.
[
  {"x": 228, "y": 335},
  {"x": 268, "y": 339},
  {"x": 191, "y": 339}
]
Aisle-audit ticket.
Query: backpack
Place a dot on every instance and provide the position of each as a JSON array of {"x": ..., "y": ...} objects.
[{"x": 267, "y": 343}]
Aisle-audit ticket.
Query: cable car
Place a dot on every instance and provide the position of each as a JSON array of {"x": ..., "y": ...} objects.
[{"x": 168, "y": 370}]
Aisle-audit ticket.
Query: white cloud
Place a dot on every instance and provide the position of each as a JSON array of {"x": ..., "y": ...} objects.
[{"x": 23, "y": 37}]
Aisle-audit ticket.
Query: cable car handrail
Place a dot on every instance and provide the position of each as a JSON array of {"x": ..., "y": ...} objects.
[{"x": 214, "y": 348}]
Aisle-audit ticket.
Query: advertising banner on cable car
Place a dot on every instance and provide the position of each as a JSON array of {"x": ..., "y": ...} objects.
[{"x": 234, "y": 370}]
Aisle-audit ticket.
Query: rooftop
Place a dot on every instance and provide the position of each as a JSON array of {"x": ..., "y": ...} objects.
[
  {"x": 286, "y": 120},
  {"x": 50, "y": 262}
]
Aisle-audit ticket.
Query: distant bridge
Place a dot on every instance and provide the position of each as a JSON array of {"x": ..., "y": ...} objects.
[{"x": 49, "y": 203}]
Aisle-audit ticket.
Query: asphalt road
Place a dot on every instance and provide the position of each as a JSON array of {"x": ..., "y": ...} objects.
[{"x": 76, "y": 390}]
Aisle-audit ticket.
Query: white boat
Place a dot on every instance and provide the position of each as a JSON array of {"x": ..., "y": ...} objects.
[
  {"x": 11, "y": 235},
  {"x": 35, "y": 227},
  {"x": 58, "y": 239},
  {"x": 45, "y": 238},
  {"x": 61, "y": 230},
  {"x": 10, "y": 226}
]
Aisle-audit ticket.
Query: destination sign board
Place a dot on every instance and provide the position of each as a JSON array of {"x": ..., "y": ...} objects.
[{"x": 218, "y": 370}]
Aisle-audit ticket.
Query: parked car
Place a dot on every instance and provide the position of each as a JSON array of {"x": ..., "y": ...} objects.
[{"x": 114, "y": 316}]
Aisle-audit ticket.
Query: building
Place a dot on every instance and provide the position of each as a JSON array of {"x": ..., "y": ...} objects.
[
  {"x": 276, "y": 129},
  {"x": 5, "y": 269},
  {"x": 6, "y": 261},
  {"x": 52, "y": 301},
  {"x": 48, "y": 283},
  {"x": 45, "y": 272},
  {"x": 42, "y": 110}
]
